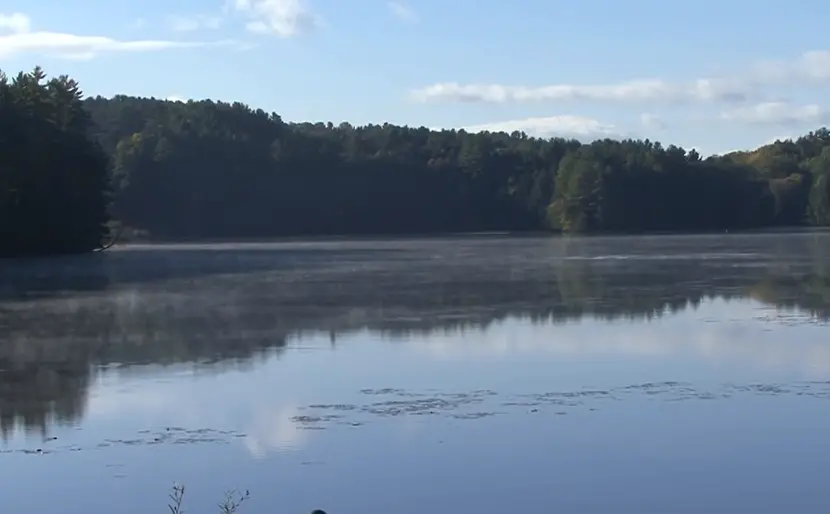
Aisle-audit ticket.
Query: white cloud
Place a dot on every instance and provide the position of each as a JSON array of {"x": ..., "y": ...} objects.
[
  {"x": 193, "y": 23},
  {"x": 813, "y": 65},
  {"x": 554, "y": 126},
  {"x": 16, "y": 23},
  {"x": 778, "y": 113},
  {"x": 645, "y": 90},
  {"x": 809, "y": 67},
  {"x": 71, "y": 46},
  {"x": 652, "y": 121},
  {"x": 284, "y": 18},
  {"x": 403, "y": 11}
]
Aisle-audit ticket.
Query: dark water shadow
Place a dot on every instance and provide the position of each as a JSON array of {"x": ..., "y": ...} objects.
[{"x": 27, "y": 278}]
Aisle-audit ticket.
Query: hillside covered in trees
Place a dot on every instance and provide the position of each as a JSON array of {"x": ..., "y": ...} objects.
[
  {"x": 205, "y": 169},
  {"x": 216, "y": 170},
  {"x": 54, "y": 179}
]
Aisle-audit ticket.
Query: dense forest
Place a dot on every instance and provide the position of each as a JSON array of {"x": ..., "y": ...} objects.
[
  {"x": 54, "y": 179},
  {"x": 206, "y": 169},
  {"x": 215, "y": 170}
]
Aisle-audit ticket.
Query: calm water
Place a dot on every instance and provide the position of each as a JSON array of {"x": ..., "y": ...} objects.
[{"x": 597, "y": 375}]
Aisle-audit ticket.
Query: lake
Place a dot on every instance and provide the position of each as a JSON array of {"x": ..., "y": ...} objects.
[{"x": 664, "y": 374}]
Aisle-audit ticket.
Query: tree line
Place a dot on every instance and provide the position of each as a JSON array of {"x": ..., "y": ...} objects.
[
  {"x": 211, "y": 169},
  {"x": 206, "y": 169},
  {"x": 54, "y": 178}
]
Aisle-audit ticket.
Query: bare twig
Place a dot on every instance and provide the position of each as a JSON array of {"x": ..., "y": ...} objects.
[
  {"x": 176, "y": 499},
  {"x": 233, "y": 500}
]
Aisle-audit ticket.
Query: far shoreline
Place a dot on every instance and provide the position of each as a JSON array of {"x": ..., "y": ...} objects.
[
  {"x": 391, "y": 237},
  {"x": 438, "y": 236}
]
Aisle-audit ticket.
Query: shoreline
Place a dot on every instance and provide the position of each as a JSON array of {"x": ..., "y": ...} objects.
[
  {"x": 464, "y": 235},
  {"x": 431, "y": 236}
]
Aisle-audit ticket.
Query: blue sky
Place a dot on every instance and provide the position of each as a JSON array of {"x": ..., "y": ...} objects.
[{"x": 714, "y": 75}]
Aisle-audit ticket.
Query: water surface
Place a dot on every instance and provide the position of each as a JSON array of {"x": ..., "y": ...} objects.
[{"x": 489, "y": 375}]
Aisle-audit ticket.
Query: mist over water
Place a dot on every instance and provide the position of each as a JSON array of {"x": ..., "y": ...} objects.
[{"x": 488, "y": 374}]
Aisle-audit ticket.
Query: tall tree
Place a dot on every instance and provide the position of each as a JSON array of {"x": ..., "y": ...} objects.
[{"x": 53, "y": 177}]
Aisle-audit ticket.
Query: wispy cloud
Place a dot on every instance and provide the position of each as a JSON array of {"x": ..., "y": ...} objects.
[
  {"x": 567, "y": 126},
  {"x": 24, "y": 40},
  {"x": 652, "y": 121},
  {"x": 813, "y": 65},
  {"x": 645, "y": 90},
  {"x": 743, "y": 86},
  {"x": 283, "y": 18},
  {"x": 403, "y": 11},
  {"x": 194, "y": 23},
  {"x": 16, "y": 23},
  {"x": 778, "y": 113}
]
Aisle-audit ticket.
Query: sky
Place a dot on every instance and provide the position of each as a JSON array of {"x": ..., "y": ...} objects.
[{"x": 712, "y": 75}]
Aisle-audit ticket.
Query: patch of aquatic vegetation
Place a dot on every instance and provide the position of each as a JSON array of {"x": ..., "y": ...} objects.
[
  {"x": 480, "y": 404},
  {"x": 164, "y": 436},
  {"x": 459, "y": 406},
  {"x": 815, "y": 389},
  {"x": 792, "y": 319},
  {"x": 398, "y": 402}
]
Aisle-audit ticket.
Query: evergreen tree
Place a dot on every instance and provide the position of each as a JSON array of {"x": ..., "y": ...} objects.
[{"x": 53, "y": 177}]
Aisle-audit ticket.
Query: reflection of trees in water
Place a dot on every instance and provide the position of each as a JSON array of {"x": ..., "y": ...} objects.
[
  {"x": 38, "y": 392},
  {"x": 810, "y": 293},
  {"x": 226, "y": 306},
  {"x": 787, "y": 285}
]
